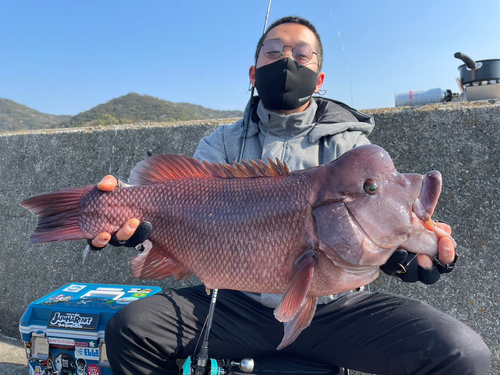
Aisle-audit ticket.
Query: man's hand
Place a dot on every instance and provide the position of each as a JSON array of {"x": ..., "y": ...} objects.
[
  {"x": 446, "y": 248},
  {"x": 108, "y": 183},
  {"x": 403, "y": 265}
]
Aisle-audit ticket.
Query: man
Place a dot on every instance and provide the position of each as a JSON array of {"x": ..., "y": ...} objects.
[{"x": 371, "y": 332}]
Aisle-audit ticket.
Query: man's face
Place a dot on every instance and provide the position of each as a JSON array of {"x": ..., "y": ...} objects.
[{"x": 290, "y": 34}]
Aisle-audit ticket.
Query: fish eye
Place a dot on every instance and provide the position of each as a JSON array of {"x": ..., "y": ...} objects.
[{"x": 371, "y": 187}]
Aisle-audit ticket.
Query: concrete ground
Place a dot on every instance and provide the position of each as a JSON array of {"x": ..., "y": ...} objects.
[{"x": 12, "y": 356}]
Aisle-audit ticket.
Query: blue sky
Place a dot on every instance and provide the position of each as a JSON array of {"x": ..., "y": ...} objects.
[{"x": 65, "y": 57}]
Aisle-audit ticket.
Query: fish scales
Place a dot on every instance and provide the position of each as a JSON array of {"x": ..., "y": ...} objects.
[{"x": 238, "y": 223}]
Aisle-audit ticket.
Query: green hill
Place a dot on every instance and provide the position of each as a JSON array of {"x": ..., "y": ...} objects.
[
  {"x": 127, "y": 109},
  {"x": 134, "y": 108},
  {"x": 15, "y": 117}
]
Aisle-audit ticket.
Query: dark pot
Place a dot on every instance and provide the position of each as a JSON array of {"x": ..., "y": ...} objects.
[{"x": 477, "y": 71}]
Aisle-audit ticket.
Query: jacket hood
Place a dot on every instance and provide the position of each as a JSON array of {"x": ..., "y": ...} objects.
[{"x": 332, "y": 117}]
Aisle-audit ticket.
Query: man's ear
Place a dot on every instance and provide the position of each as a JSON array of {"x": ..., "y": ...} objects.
[
  {"x": 321, "y": 80},
  {"x": 251, "y": 74}
]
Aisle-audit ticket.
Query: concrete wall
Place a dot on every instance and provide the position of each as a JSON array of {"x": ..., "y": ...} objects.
[{"x": 458, "y": 139}]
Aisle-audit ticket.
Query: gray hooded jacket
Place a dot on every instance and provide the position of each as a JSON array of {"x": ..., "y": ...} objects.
[{"x": 316, "y": 136}]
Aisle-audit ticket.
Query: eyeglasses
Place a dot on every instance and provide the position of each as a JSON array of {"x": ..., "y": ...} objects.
[{"x": 273, "y": 49}]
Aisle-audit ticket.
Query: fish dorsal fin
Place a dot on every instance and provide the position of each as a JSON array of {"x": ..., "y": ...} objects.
[{"x": 169, "y": 166}]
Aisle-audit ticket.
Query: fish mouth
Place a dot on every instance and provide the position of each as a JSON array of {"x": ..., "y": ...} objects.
[{"x": 426, "y": 202}]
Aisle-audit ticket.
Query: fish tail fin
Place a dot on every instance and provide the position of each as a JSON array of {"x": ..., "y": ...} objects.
[{"x": 57, "y": 214}]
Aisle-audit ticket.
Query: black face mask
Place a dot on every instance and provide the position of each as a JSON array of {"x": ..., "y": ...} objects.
[{"x": 285, "y": 84}]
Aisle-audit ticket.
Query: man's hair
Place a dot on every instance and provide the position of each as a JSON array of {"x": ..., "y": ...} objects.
[{"x": 300, "y": 21}]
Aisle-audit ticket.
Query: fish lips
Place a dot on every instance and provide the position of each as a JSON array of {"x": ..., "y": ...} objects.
[{"x": 426, "y": 202}]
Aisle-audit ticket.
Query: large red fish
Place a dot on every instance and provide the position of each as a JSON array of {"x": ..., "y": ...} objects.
[{"x": 259, "y": 228}]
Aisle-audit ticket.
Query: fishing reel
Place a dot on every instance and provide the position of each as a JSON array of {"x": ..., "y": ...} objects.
[{"x": 215, "y": 366}]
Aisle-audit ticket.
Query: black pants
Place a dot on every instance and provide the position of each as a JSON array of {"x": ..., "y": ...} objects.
[{"x": 370, "y": 332}]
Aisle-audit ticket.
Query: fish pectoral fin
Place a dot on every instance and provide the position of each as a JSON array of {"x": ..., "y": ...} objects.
[
  {"x": 295, "y": 295},
  {"x": 152, "y": 264},
  {"x": 300, "y": 322}
]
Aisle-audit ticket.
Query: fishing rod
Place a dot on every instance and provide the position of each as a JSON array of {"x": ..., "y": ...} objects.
[
  {"x": 345, "y": 55},
  {"x": 202, "y": 358},
  {"x": 267, "y": 16},
  {"x": 248, "y": 113},
  {"x": 202, "y": 364}
]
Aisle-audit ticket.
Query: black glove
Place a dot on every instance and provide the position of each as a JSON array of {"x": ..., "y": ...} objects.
[
  {"x": 140, "y": 235},
  {"x": 404, "y": 266}
]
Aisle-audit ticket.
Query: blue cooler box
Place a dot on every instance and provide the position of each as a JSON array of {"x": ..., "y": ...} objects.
[{"x": 63, "y": 332}]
